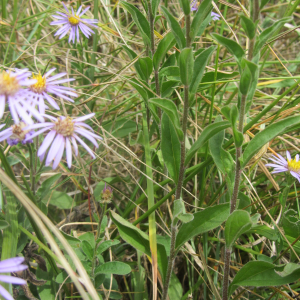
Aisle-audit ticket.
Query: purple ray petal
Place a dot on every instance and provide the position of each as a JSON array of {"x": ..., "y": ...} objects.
[
  {"x": 75, "y": 145},
  {"x": 83, "y": 118},
  {"x": 46, "y": 143},
  {"x": 11, "y": 279},
  {"x": 49, "y": 72},
  {"x": 5, "y": 294},
  {"x": 55, "y": 147},
  {"x": 86, "y": 147},
  {"x": 58, "y": 156},
  {"x": 84, "y": 11},
  {"x": 69, "y": 153}
]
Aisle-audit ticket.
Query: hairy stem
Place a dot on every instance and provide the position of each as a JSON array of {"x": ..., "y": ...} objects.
[
  {"x": 238, "y": 169},
  {"x": 226, "y": 273},
  {"x": 171, "y": 261},
  {"x": 181, "y": 169}
]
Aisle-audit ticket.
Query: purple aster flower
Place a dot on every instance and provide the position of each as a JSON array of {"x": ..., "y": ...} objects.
[
  {"x": 11, "y": 90},
  {"x": 11, "y": 265},
  {"x": 64, "y": 132},
  {"x": 74, "y": 22},
  {"x": 283, "y": 165},
  {"x": 45, "y": 84},
  {"x": 194, "y": 7},
  {"x": 16, "y": 134}
]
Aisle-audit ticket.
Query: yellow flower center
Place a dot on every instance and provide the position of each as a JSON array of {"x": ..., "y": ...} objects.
[
  {"x": 9, "y": 85},
  {"x": 64, "y": 127},
  {"x": 18, "y": 132},
  {"x": 74, "y": 20},
  {"x": 294, "y": 165},
  {"x": 40, "y": 84}
]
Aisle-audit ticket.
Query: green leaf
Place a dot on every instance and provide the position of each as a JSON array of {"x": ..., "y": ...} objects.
[
  {"x": 146, "y": 67},
  {"x": 237, "y": 224},
  {"x": 59, "y": 199},
  {"x": 175, "y": 28},
  {"x": 203, "y": 221},
  {"x": 245, "y": 81},
  {"x": 186, "y": 218},
  {"x": 168, "y": 87},
  {"x": 46, "y": 186},
  {"x": 140, "y": 21},
  {"x": 232, "y": 47},
  {"x": 267, "y": 135},
  {"x": 3, "y": 224},
  {"x": 222, "y": 158},
  {"x": 208, "y": 132},
  {"x": 170, "y": 147},
  {"x": 260, "y": 273},
  {"x": 248, "y": 26},
  {"x": 264, "y": 230},
  {"x": 132, "y": 55},
  {"x": 6, "y": 166},
  {"x": 113, "y": 267},
  {"x": 87, "y": 249},
  {"x": 171, "y": 71},
  {"x": 140, "y": 241},
  {"x": 163, "y": 47},
  {"x": 154, "y": 6},
  {"x": 175, "y": 289},
  {"x": 185, "y": 6},
  {"x": 186, "y": 65},
  {"x": 171, "y": 110},
  {"x": 267, "y": 33},
  {"x": 291, "y": 223},
  {"x": 106, "y": 245},
  {"x": 202, "y": 13},
  {"x": 263, "y": 3},
  {"x": 199, "y": 67}
]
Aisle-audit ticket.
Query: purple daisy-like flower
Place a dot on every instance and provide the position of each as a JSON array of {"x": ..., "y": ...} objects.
[
  {"x": 11, "y": 265},
  {"x": 282, "y": 165},
  {"x": 194, "y": 7},
  {"x": 64, "y": 132},
  {"x": 74, "y": 22},
  {"x": 11, "y": 90},
  {"x": 45, "y": 84},
  {"x": 16, "y": 134}
]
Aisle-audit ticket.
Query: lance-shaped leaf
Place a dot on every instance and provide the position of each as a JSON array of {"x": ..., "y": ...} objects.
[
  {"x": 154, "y": 6},
  {"x": 238, "y": 223},
  {"x": 199, "y": 67},
  {"x": 203, "y": 221},
  {"x": 261, "y": 273},
  {"x": 206, "y": 134},
  {"x": 267, "y": 135},
  {"x": 248, "y": 26},
  {"x": 185, "y": 6},
  {"x": 140, "y": 241},
  {"x": 202, "y": 13},
  {"x": 163, "y": 47},
  {"x": 146, "y": 67},
  {"x": 113, "y": 267},
  {"x": 140, "y": 21},
  {"x": 175, "y": 27},
  {"x": 186, "y": 65},
  {"x": 171, "y": 110},
  {"x": 170, "y": 147},
  {"x": 232, "y": 46},
  {"x": 267, "y": 33}
]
